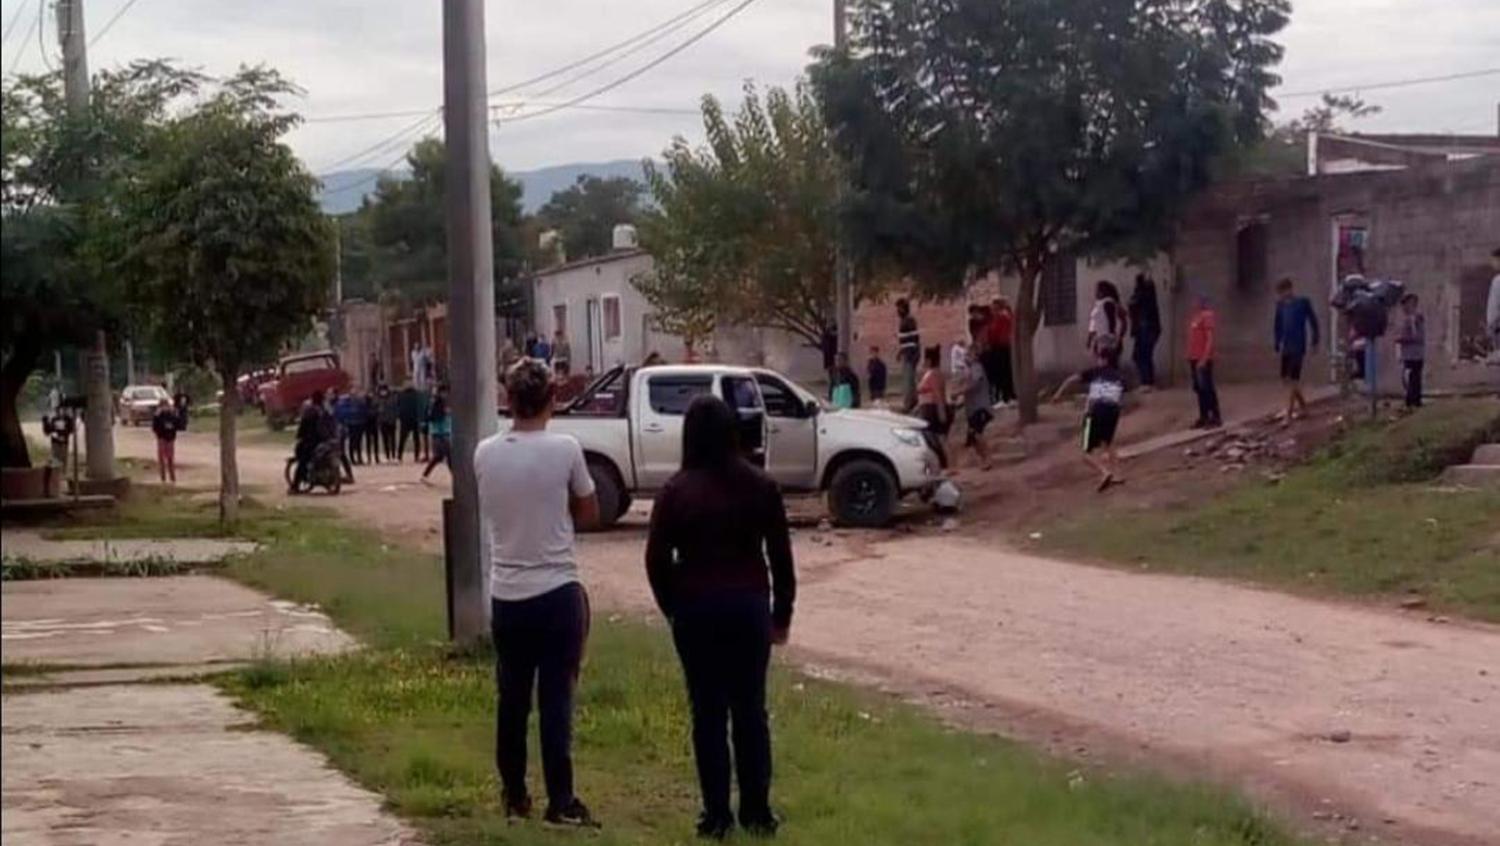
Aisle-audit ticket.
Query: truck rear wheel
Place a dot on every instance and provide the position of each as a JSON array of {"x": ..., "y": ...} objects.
[
  {"x": 863, "y": 493},
  {"x": 613, "y": 501}
]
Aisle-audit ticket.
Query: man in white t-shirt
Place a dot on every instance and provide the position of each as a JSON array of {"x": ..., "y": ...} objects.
[
  {"x": 534, "y": 487},
  {"x": 1492, "y": 308}
]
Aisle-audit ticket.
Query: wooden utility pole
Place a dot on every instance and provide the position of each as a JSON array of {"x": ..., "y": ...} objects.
[
  {"x": 99, "y": 417},
  {"x": 471, "y": 305},
  {"x": 843, "y": 279}
]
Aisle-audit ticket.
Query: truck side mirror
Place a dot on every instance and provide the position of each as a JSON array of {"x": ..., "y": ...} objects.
[{"x": 811, "y": 409}]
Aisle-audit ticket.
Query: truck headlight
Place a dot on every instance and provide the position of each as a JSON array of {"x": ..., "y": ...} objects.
[{"x": 910, "y": 437}]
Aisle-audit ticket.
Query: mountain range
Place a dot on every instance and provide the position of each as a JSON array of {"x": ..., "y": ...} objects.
[{"x": 344, "y": 190}]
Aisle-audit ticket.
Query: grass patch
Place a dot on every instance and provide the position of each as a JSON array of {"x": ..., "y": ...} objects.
[
  {"x": 1362, "y": 518},
  {"x": 410, "y": 721},
  {"x": 20, "y": 568}
]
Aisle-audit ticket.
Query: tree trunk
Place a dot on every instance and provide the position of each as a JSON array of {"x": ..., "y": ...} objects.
[
  {"x": 229, "y": 468},
  {"x": 1023, "y": 361},
  {"x": 22, "y": 361}
]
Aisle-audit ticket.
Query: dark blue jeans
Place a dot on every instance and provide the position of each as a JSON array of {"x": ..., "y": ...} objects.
[
  {"x": 725, "y": 646},
  {"x": 539, "y": 645},
  {"x": 1144, "y": 355}
]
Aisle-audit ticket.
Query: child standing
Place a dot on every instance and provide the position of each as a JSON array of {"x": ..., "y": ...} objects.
[
  {"x": 1105, "y": 384},
  {"x": 1201, "y": 335},
  {"x": 165, "y": 424},
  {"x": 977, "y": 409},
  {"x": 1411, "y": 343}
]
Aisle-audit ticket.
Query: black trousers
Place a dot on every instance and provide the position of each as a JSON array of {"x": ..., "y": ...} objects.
[
  {"x": 414, "y": 431},
  {"x": 354, "y": 443},
  {"x": 388, "y": 440},
  {"x": 1411, "y": 377},
  {"x": 1144, "y": 355},
  {"x": 372, "y": 442},
  {"x": 1208, "y": 394},
  {"x": 539, "y": 646},
  {"x": 996, "y": 363},
  {"x": 724, "y": 643}
]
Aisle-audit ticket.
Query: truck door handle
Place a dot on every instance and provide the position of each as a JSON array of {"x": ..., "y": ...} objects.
[{"x": 653, "y": 429}]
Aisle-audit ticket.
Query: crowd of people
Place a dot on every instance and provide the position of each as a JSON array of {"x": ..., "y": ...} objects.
[{"x": 369, "y": 428}]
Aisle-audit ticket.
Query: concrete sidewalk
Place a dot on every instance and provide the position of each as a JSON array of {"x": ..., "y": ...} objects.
[
  {"x": 33, "y": 546},
  {"x": 96, "y": 757}
]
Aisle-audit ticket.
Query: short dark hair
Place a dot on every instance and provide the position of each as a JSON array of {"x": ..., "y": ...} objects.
[
  {"x": 710, "y": 434},
  {"x": 528, "y": 383},
  {"x": 902, "y": 304},
  {"x": 317, "y": 397},
  {"x": 1284, "y": 283},
  {"x": 1409, "y": 297},
  {"x": 933, "y": 356},
  {"x": 1106, "y": 290}
]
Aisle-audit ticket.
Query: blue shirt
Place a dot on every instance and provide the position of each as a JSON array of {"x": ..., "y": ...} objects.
[{"x": 1295, "y": 317}]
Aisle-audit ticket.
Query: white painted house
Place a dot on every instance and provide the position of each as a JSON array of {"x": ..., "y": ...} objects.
[{"x": 608, "y": 322}]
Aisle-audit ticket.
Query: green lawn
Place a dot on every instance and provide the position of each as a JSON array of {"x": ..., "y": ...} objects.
[
  {"x": 1363, "y": 518},
  {"x": 416, "y": 724}
]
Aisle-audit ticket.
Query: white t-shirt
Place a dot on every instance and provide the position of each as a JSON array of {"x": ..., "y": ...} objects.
[{"x": 525, "y": 480}]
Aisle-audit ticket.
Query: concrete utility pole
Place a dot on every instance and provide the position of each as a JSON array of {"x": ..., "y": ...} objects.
[
  {"x": 471, "y": 302},
  {"x": 843, "y": 279},
  {"x": 99, "y": 418}
]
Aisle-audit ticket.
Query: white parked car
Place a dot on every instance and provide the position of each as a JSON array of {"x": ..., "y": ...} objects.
[
  {"x": 630, "y": 425},
  {"x": 138, "y": 403}
]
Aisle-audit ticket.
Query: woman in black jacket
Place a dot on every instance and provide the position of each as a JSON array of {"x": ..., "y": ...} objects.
[{"x": 713, "y": 528}]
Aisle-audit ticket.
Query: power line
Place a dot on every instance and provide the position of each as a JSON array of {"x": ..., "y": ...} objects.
[
  {"x": 526, "y": 83},
  {"x": 41, "y": 34},
  {"x": 506, "y": 104},
  {"x": 111, "y": 22},
  {"x": 36, "y": 21},
  {"x": 610, "y": 86},
  {"x": 625, "y": 54},
  {"x": 14, "y": 19},
  {"x": 397, "y": 137},
  {"x": 1397, "y": 83}
]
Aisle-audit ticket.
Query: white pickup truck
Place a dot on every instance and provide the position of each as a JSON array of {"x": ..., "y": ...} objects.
[{"x": 630, "y": 425}]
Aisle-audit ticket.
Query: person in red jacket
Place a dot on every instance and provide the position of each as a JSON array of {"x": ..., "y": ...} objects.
[
  {"x": 996, "y": 361},
  {"x": 1202, "y": 329}
]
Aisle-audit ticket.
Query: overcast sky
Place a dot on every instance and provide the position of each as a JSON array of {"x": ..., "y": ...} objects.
[{"x": 363, "y": 56}]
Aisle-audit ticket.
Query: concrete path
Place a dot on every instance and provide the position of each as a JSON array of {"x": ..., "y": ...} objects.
[
  {"x": 35, "y": 547},
  {"x": 1183, "y": 437},
  {"x": 170, "y": 764},
  {"x": 176, "y": 620},
  {"x": 94, "y": 756}
]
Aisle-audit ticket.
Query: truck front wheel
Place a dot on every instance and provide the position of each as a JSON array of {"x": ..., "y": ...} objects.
[
  {"x": 613, "y": 501},
  {"x": 863, "y": 493}
]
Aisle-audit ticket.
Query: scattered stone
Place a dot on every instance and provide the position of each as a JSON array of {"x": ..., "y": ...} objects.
[
  {"x": 1340, "y": 735},
  {"x": 1035, "y": 536},
  {"x": 1438, "y": 618},
  {"x": 950, "y": 524},
  {"x": 1414, "y": 602},
  {"x": 825, "y": 525}
]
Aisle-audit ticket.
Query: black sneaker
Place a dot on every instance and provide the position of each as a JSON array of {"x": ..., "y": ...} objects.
[
  {"x": 517, "y": 809},
  {"x": 575, "y": 814},
  {"x": 762, "y": 824},
  {"x": 714, "y": 828}
]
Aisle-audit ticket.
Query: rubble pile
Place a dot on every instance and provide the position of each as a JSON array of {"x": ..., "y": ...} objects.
[{"x": 1236, "y": 450}]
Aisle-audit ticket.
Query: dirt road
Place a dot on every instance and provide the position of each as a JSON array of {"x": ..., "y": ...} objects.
[{"x": 1357, "y": 717}]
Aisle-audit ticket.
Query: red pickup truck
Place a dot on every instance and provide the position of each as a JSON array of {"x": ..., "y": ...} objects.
[{"x": 297, "y": 378}]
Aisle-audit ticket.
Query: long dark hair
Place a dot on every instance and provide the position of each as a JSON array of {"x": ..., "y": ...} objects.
[{"x": 710, "y": 435}]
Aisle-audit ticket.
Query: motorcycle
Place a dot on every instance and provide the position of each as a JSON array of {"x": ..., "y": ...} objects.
[{"x": 323, "y": 471}]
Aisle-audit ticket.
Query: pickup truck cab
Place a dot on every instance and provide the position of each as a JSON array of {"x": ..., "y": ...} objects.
[
  {"x": 629, "y": 423},
  {"x": 297, "y": 378}
]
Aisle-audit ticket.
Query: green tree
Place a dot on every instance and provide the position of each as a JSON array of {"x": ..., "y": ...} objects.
[
  {"x": 1283, "y": 152},
  {"x": 58, "y": 287},
  {"x": 585, "y": 214},
  {"x": 405, "y": 242},
  {"x": 993, "y": 134},
  {"x": 223, "y": 249},
  {"x": 744, "y": 228}
]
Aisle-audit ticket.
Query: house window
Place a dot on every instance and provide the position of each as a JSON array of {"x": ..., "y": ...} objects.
[
  {"x": 560, "y": 318},
  {"x": 612, "y": 322},
  {"x": 1250, "y": 245},
  {"x": 1060, "y": 290}
]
